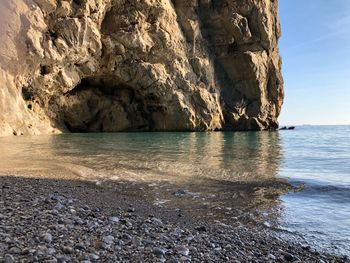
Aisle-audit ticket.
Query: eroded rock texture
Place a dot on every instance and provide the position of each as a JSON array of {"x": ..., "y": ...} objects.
[{"x": 121, "y": 65}]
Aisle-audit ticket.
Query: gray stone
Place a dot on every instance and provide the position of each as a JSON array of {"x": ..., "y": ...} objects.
[
  {"x": 94, "y": 257},
  {"x": 114, "y": 219},
  {"x": 67, "y": 250},
  {"x": 126, "y": 236},
  {"x": 201, "y": 228},
  {"x": 51, "y": 251},
  {"x": 158, "y": 252},
  {"x": 15, "y": 250},
  {"x": 108, "y": 239},
  {"x": 9, "y": 258},
  {"x": 289, "y": 257},
  {"x": 47, "y": 237},
  {"x": 157, "y": 221},
  {"x": 182, "y": 250},
  {"x": 180, "y": 192},
  {"x": 80, "y": 246}
]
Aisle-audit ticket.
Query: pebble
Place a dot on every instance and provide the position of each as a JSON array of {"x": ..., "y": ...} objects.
[
  {"x": 201, "y": 228},
  {"x": 190, "y": 237},
  {"x": 41, "y": 250},
  {"x": 94, "y": 257},
  {"x": 182, "y": 250},
  {"x": 108, "y": 239},
  {"x": 158, "y": 252},
  {"x": 173, "y": 260},
  {"x": 51, "y": 251},
  {"x": 25, "y": 251},
  {"x": 157, "y": 221},
  {"x": 80, "y": 247},
  {"x": 53, "y": 260},
  {"x": 47, "y": 237},
  {"x": 9, "y": 258},
  {"x": 180, "y": 192},
  {"x": 126, "y": 236},
  {"x": 106, "y": 246},
  {"x": 59, "y": 206},
  {"x": 289, "y": 257},
  {"x": 72, "y": 211},
  {"x": 67, "y": 250},
  {"x": 75, "y": 232},
  {"x": 114, "y": 219},
  {"x": 15, "y": 250},
  {"x": 61, "y": 259}
]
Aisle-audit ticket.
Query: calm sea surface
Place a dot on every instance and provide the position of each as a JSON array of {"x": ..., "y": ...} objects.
[{"x": 238, "y": 177}]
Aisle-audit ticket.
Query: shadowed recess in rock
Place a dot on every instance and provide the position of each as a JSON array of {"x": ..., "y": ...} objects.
[{"x": 104, "y": 105}]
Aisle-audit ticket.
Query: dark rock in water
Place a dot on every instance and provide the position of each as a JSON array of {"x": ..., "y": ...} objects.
[{"x": 285, "y": 128}]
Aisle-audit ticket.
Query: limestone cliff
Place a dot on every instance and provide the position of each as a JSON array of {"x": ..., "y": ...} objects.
[{"x": 122, "y": 65}]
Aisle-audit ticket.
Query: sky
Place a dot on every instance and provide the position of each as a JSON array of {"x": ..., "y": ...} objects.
[{"x": 315, "y": 50}]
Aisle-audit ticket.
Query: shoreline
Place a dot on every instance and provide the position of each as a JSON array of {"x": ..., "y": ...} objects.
[{"x": 59, "y": 220}]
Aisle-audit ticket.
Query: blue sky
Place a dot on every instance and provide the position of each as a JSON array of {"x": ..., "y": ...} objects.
[{"x": 315, "y": 49}]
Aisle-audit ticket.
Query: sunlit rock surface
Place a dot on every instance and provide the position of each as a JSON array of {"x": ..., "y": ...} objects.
[{"x": 117, "y": 65}]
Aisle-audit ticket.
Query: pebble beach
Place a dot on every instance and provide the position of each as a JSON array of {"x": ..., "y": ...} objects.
[{"x": 48, "y": 220}]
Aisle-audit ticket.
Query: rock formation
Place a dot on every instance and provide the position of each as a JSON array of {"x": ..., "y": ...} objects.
[{"x": 139, "y": 65}]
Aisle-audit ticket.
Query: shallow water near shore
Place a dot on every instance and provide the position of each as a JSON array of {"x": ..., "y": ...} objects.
[{"x": 232, "y": 177}]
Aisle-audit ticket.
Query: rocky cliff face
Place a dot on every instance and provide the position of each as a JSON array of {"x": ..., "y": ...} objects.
[{"x": 139, "y": 65}]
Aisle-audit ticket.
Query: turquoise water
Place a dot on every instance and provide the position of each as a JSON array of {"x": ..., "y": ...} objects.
[
  {"x": 319, "y": 157},
  {"x": 230, "y": 176}
]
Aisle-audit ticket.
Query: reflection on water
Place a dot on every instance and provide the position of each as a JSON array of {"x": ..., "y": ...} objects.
[
  {"x": 231, "y": 177},
  {"x": 214, "y": 174},
  {"x": 150, "y": 156}
]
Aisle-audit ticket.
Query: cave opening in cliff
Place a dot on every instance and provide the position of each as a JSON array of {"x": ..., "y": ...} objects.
[{"x": 104, "y": 104}]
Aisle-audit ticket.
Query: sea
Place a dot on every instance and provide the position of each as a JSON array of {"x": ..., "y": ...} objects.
[{"x": 295, "y": 183}]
